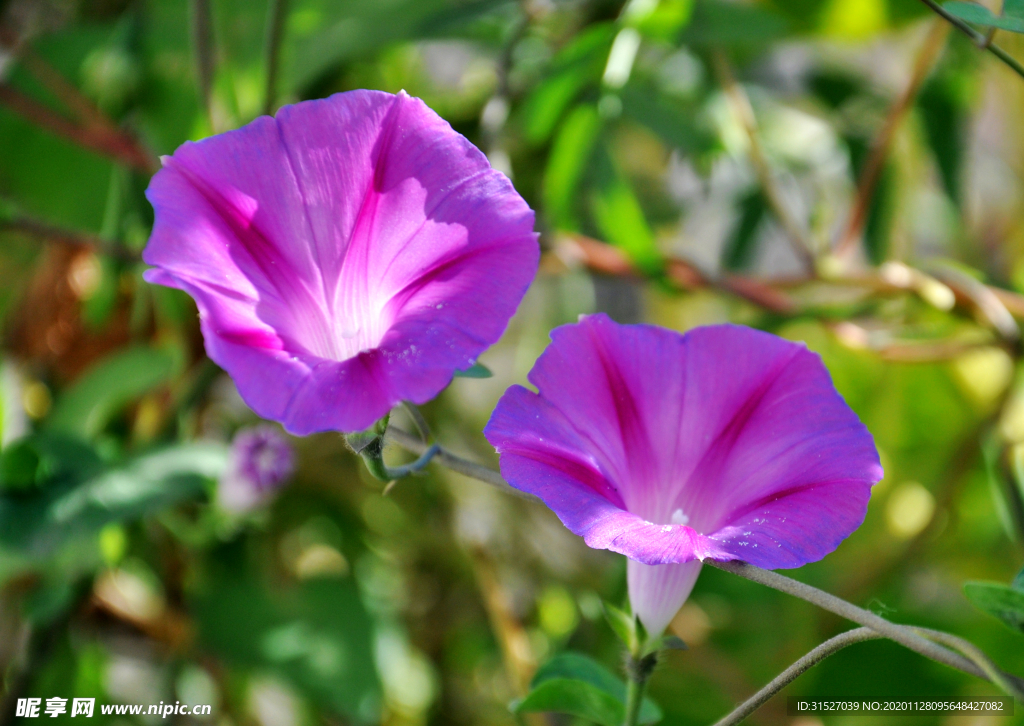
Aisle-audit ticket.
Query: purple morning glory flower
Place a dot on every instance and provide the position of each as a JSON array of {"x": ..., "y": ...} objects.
[
  {"x": 261, "y": 460},
  {"x": 724, "y": 443},
  {"x": 345, "y": 255}
]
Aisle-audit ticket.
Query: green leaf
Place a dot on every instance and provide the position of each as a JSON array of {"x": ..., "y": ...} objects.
[
  {"x": 317, "y": 634},
  {"x": 569, "y": 158},
  {"x": 76, "y": 498},
  {"x": 1005, "y": 603},
  {"x": 621, "y": 220},
  {"x": 581, "y": 668},
  {"x": 575, "y": 698},
  {"x": 86, "y": 407},
  {"x": 882, "y": 210},
  {"x": 622, "y": 624},
  {"x": 741, "y": 246},
  {"x": 575, "y": 684},
  {"x": 477, "y": 370},
  {"x": 716, "y": 24},
  {"x": 578, "y": 65},
  {"x": 670, "y": 119},
  {"x": 1012, "y": 18},
  {"x": 1018, "y": 581}
]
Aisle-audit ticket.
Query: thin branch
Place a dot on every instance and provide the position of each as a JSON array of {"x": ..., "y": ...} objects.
[
  {"x": 823, "y": 651},
  {"x": 1010, "y": 684},
  {"x": 46, "y": 231},
  {"x": 276, "y": 14},
  {"x": 977, "y": 38},
  {"x": 875, "y": 164},
  {"x": 97, "y": 139},
  {"x": 904, "y": 635},
  {"x": 202, "y": 49},
  {"x": 981, "y": 297},
  {"x": 769, "y": 294},
  {"x": 744, "y": 111},
  {"x": 456, "y": 463},
  {"x": 422, "y": 427}
]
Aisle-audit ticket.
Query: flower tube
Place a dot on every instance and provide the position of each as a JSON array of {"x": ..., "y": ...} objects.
[
  {"x": 724, "y": 443},
  {"x": 345, "y": 255}
]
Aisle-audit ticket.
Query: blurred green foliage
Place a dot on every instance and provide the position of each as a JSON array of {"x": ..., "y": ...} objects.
[{"x": 123, "y": 579}]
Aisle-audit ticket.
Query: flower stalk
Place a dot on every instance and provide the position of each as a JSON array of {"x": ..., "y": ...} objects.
[{"x": 638, "y": 671}]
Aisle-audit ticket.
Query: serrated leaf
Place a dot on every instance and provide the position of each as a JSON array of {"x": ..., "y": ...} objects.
[
  {"x": 86, "y": 407},
  {"x": 477, "y": 370},
  {"x": 1012, "y": 18},
  {"x": 1005, "y": 603}
]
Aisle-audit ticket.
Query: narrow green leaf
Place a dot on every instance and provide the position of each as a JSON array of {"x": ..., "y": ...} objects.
[
  {"x": 477, "y": 370},
  {"x": 945, "y": 125},
  {"x": 569, "y": 158},
  {"x": 741, "y": 247},
  {"x": 1012, "y": 18},
  {"x": 578, "y": 65},
  {"x": 1003, "y": 602},
  {"x": 622, "y": 624},
  {"x": 621, "y": 220},
  {"x": 88, "y": 405}
]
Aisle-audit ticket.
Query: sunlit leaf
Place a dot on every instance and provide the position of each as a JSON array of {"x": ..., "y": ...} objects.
[
  {"x": 620, "y": 219},
  {"x": 577, "y": 65},
  {"x": 569, "y": 158}
]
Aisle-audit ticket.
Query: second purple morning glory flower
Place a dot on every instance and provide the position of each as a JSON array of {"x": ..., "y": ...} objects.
[
  {"x": 346, "y": 255},
  {"x": 724, "y": 443}
]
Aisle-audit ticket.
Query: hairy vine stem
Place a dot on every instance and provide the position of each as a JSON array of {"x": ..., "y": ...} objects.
[{"x": 823, "y": 651}]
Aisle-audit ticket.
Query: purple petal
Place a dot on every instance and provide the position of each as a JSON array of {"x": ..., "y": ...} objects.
[
  {"x": 724, "y": 443},
  {"x": 658, "y": 591},
  {"x": 346, "y": 255}
]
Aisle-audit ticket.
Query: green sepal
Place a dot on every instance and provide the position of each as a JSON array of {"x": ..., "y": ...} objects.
[
  {"x": 369, "y": 444},
  {"x": 623, "y": 625},
  {"x": 477, "y": 370}
]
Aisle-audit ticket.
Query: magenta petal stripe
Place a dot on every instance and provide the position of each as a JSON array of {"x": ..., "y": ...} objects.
[
  {"x": 348, "y": 254},
  {"x": 723, "y": 443}
]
